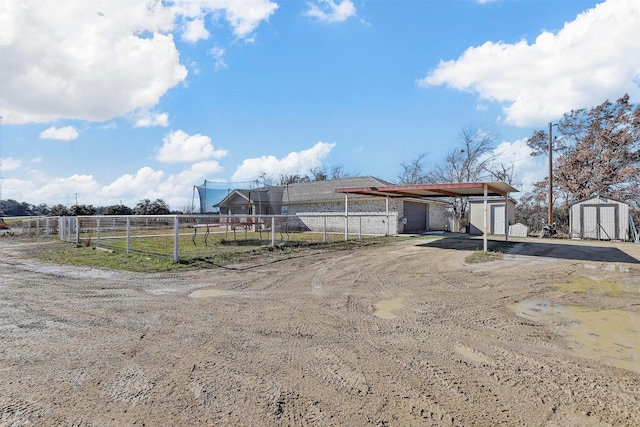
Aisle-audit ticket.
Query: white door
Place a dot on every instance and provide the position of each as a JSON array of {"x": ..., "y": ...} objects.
[{"x": 497, "y": 219}]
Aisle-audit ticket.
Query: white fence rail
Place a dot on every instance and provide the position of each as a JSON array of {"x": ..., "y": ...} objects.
[{"x": 185, "y": 236}]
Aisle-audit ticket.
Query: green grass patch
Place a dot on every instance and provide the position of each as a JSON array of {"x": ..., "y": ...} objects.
[
  {"x": 156, "y": 254},
  {"x": 495, "y": 252},
  {"x": 480, "y": 256}
]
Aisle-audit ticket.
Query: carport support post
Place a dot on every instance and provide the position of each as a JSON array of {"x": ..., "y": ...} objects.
[
  {"x": 387, "y": 202},
  {"x": 506, "y": 217},
  {"x": 484, "y": 234},
  {"x": 346, "y": 216}
]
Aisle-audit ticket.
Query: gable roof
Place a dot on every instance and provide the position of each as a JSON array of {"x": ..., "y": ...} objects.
[
  {"x": 323, "y": 191},
  {"x": 304, "y": 192},
  {"x": 600, "y": 197}
]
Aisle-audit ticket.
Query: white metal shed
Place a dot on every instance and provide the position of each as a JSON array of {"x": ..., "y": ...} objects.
[{"x": 599, "y": 218}]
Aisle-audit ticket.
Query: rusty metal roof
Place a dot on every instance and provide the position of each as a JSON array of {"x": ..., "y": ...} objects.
[{"x": 460, "y": 189}]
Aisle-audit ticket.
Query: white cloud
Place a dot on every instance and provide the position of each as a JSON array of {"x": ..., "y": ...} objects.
[
  {"x": 244, "y": 16},
  {"x": 194, "y": 31},
  {"x": 97, "y": 60},
  {"x": 10, "y": 164},
  {"x": 147, "y": 118},
  {"x": 203, "y": 169},
  {"x": 178, "y": 146},
  {"x": 293, "y": 163},
  {"x": 130, "y": 187},
  {"x": 218, "y": 55},
  {"x": 330, "y": 10},
  {"x": 593, "y": 58},
  {"x": 67, "y": 133},
  {"x": 528, "y": 169},
  {"x": 65, "y": 190}
]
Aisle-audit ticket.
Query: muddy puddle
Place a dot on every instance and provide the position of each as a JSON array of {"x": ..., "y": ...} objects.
[
  {"x": 385, "y": 309},
  {"x": 611, "y": 336},
  {"x": 595, "y": 286}
]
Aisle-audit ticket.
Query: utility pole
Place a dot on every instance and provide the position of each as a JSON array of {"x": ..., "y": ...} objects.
[{"x": 550, "y": 207}]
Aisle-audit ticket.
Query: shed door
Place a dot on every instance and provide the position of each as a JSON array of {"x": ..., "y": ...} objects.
[
  {"x": 589, "y": 229},
  {"x": 416, "y": 215},
  {"x": 608, "y": 223},
  {"x": 497, "y": 219},
  {"x": 599, "y": 222}
]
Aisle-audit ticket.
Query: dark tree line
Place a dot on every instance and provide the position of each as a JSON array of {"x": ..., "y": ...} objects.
[{"x": 143, "y": 207}]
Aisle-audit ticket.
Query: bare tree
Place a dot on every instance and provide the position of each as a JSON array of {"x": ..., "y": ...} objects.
[
  {"x": 319, "y": 174},
  {"x": 413, "y": 172},
  {"x": 469, "y": 163}
]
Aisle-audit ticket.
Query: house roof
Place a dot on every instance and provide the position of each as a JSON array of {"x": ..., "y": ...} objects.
[
  {"x": 305, "y": 192},
  {"x": 324, "y": 191},
  {"x": 459, "y": 189}
]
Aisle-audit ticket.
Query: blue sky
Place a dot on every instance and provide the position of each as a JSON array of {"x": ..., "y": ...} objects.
[{"x": 109, "y": 102}]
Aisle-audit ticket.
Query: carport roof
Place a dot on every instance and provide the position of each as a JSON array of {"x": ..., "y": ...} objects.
[{"x": 459, "y": 189}]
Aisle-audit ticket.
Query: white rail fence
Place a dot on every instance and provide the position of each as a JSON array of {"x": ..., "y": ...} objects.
[{"x": 187, "y": 236}]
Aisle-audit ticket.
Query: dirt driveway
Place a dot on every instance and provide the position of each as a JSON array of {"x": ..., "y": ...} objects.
[{"x": 405, "y": 334}]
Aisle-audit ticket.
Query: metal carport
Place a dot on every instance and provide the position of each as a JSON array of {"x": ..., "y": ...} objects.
[{"x": 459, "y": 189}]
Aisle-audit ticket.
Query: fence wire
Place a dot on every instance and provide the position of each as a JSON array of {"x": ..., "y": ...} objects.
[{"x": 184, "y": 237}]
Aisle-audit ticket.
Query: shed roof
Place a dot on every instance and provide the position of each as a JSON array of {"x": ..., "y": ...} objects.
[
  {"x": 459, "y": 189},
  {"x": 598, "y": 197}
]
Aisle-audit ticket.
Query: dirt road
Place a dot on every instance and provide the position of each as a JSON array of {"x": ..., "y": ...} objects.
[{"x": 398, "y": 335}]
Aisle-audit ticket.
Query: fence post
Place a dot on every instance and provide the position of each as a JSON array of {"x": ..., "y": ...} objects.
[
  {"x": 324, "y": 229},
  {"x": 77, "y": 229},
  {"x": 176, "y": 239},
  {"x": 273, "y": 230},
  {"x": 98, "y": 232},
  {"x": 128, "y": 235},
  {"x": 360, "y": 228}
]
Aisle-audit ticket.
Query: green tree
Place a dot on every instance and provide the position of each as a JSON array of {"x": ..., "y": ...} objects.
[
  {"x": 118, "y": 210},
  {"x": 77, "y": 210},
  {"x": 147, "y": 207},
  {"x": 59, "y": 210}
]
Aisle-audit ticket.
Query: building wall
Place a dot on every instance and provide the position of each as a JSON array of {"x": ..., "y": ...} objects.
[
  {"x": 438, "y": 217},
  {"x": 335, "y": 223},
  {"x": 599, "y": 218},
  {"x": 369, "y": 225},
  {"x": 435, "y": 214}
]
